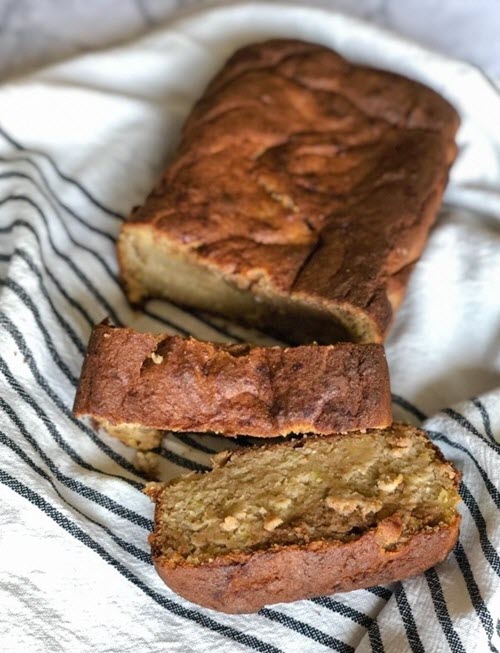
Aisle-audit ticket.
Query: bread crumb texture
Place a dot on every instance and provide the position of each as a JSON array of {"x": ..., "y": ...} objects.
[{"x": 333, "y": 488}]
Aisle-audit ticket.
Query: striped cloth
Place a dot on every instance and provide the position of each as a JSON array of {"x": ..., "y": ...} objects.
[{"x": 82, "y": 142}]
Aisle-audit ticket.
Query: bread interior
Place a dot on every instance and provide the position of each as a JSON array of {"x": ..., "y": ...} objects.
[
  {"x": 313, "y": 489},
  {"x": 133, "y": 435},
  {"x": 154, "y": 267}
]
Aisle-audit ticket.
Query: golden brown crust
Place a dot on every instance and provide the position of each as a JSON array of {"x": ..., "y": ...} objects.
[
  {"x": 292, "y": 573},
  {"x": 300, "y": 175},
  {"x": 173, "y": 383}
]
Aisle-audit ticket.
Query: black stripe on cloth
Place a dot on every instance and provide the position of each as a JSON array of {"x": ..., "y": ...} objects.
[
  {"x": 485, "y": 417},
  {"x": 42, "y": 382},
  {"x": 462, "y": 560},
  {"x": 205, "y": 320},
  {"x": 345, "y": 610},
  {"x": 474, "y": 593},
  {"x": 167, "y": 322},
  {"x": 71, "y": 333},
  {"x": 492, "y": 490},
  {"x": 442, "y": 613},
  {"x": 469, "y": 500},
  {"x": 61, "y": 174},
  {"x": 90, "y": 286},
  {"x": 409, "y": 407},
  {"x": 375, "y": 638},
  {"x": 29, "y": 304},
  {"x": 49, "y": 198},
  {"x": 308, "y": 631},
  {"x": 77, "y": 486},
  {"x": 79, "y": 534},
  {"x": 408, "y": 620},
  {"x": 29, "y": 261},
  {"x": 180, "y": 461},
  {"x": 126, "y": 546},
  {"x": 190, "y": 441},
  {"x": 488, "y": 549},
  {"x": 77, "y": 244},
  {"x": 380, "y": 591},
  {"x": 357, "y": 617},
  {"x": 191, "y": 313},
  {"x": 468, "y": 426},
  {"x": 27, "y": 398}
]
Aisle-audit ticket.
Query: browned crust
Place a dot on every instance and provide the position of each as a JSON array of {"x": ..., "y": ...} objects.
[
  {"x": 293, "y": 573},
  {"x": 182, "y": 384},
  {"x": 301, "y": 175}
]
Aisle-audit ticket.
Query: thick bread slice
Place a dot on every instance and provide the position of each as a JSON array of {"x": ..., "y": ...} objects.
[
  {"x": 135, "y": 383},
  {"x": 306, "y": 517},
  {"x": 301, "y": 194}
]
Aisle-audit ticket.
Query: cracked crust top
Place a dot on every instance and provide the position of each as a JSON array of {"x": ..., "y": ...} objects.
[
  {"x": 301, "y": 174},
  {"x": 181, "y": 384}
]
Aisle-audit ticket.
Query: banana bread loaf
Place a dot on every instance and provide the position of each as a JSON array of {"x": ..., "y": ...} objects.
[
  {"x": 301, "y": 194},
  {"x": 137, "y": 384},
  {"x": 306, "y": 517}
]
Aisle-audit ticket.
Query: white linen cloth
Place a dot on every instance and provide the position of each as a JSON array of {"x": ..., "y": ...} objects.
[{"x": 81, "y": 142}]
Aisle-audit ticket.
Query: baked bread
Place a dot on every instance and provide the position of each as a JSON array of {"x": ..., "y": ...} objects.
[
  {"x": 306, "y": 517},
  {"x": 300, "y": 196},
  {"x": 137, "y": 383}
]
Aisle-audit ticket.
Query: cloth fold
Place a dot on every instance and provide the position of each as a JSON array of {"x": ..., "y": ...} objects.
[{"x": 81, "y": 142}]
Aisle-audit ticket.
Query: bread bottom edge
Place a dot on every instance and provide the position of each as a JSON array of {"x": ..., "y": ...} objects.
[{"x": 294, "y": 573}]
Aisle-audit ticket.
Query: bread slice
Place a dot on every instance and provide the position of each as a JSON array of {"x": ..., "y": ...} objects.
[
  {"x": 300, "y": 196},
  {"x": 137, "y": 384},
  {"x": 306, "y": 517}
]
